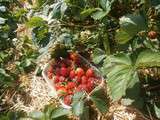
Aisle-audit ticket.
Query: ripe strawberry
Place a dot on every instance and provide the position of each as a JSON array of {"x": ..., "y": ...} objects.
[
  {"x": 84, "y": 80},
  {"x": 79, "y": 88},
  {"x": 71, "y": 85},
  {"x": 90, "y": 72},
  {"x": 152, "y": 34},
  {"x": 56, "y": 79},
  {"x": 68, "y": 99},
  {"x": 64, "y": 71},
  {"x": 62, "y": 79},
  {"x": 62, "y": 91},
  {"x": 70, "y": 92},
  {"x": 84, "y": 87},
  {"x": 90, "y": 86},
  {"x": 78, "y": 79},
  {"x": 91, "y": 80},
  {"x": 72, "y": 74},
  {"x": 79, "y": 72},
  {"x": 57, "y": 86},
  {"x": 73, "y": 56}
]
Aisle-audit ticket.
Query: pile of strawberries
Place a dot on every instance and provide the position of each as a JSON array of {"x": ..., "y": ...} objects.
[{"x": 71, "y": 75}]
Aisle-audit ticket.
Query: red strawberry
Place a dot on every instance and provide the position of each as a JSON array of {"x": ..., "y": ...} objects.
[
  {"x": 90, "y": 86},
  {"x": 84, "y": 87},
  {"x": 152, "y": 34},
  {"x": 78, "y": 79},
  {"x": 73, "y": 56},
  {"x": 79, "y": 72},
  {"x": 64, "y": 71},
  {"x": 79, "y": 88},
  {"x": 62, "y": 91},
  {"x": 90, "y": 72},
  {"x": 72, "y": 74},
  {"x": 84, "y": 80},
  {"x": 67, "y": 99},
  {"x": 71, "y": 85},
  {"x": 62, "y": 79},
  {"x": 70, "y": 92},
  {"x": 91, "y": 80}
]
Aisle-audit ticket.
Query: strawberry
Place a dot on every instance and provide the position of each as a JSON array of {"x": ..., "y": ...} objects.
[
  {"x": 64, "y": 71},
  {"x": 62, "y": 79},
  {"x": 71, "y": 85},
  {"x": 90, "y": 86},
  {"x": 78, "y": 79},
  {"x": 84, "y": 80},
  {"x": 79, "y": 88},
  {"x": 70, "y": 92},
  {"x": 57, "y": 86},
  {"x": 72, "y": 74},
  {"x": 79, "y": 72},
  {"x": 90, "y": 72},
  {"x": 67, "y": 99},
  {"x": 62, "y": 91},
  {"x": 73, "y": 56},
  {"x": 152, "y": 34},
  {"x": 84, "y": 87}
]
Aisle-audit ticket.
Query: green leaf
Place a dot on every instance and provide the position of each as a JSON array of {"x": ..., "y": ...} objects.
[
  {"x": 157, "y": 111},
  {"x": 130, "y": 25},
  {"x": 106, "y": 5},
  {"x": 39, "y": 3},
  {"x": 78, "y": 107},
  {"x": 35, "y": 22},
  {"x": 148, "y": 58},
  {"x": 98, "y": 55},
  {"x": 78, "y": 96},
  {"x": 121, "y": 74},
  {"x": 122, "y": 37},
  {"x": 48, "y": 111},
  {"x": 133, "y": 23},
  {"x": 109, "y": 5},
  {"x": 85, "y": 115},
  {"x": 87, "y": 12},
  {"x": 100, "y": 104},
  {"x": 78, "y": 103},
  {"x": 100, "y": 99},
  {"x": 36, "y": 115},
  {"x": 99, "y": 14},
  {"x": 59, "y": 112}
]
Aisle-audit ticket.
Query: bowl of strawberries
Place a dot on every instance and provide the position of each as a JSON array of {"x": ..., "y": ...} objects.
[{"x": 70, "y": 74}]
